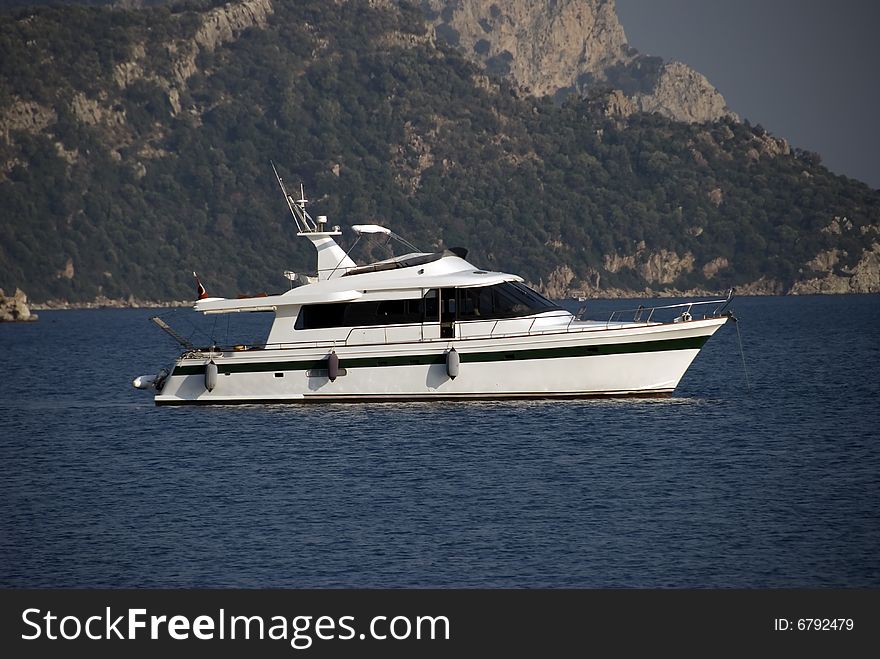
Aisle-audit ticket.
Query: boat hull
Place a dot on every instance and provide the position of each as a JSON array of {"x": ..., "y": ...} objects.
[{"x": 581, "y": 363}]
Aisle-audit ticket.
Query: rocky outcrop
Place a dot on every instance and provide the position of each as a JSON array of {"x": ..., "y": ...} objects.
[
  {"x": 224, "y": 23},
  {"x": 714, "y": 266},
  {"x": 68, "y": 272},
  {"x": 772, "y": 147},
  {"x": 863, "y": 278},
  {"x": 830, "y": 284},
  {"x": 615, "y": 262},
  {"x": 866, "y": 274},
  {"x": 126, "y": 73},
  {"x": 825, "y": 261},
  {"x": 25, "y": 115},
  {"x": 15, "y": 307},
  {"x": 832, "y": 275},
  {"x": 21, "y": 115},
  {"x": 544, "y": 46},
  {"x": 716, "y": 196},
  {"x": 684, "y": 95},
  {"x": 664, "y": 267},
  {"x": 838, "y": 225},
  {"x": 617, "y": 105},
  {"x": 557, "y": 285},
  {"x": 660, "y": 267},
  {"x": 90, "y": 111},
  {"x": 762, "y": 286},
  {"x": 571, "y": 45},
  {"x": 216, "y": 27}
]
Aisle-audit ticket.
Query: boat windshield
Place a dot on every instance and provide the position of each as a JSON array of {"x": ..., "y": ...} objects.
[{"x": 510, "y": 299}]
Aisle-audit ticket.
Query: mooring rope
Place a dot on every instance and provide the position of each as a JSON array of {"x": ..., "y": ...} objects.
[{"x": 742, "y": 354}]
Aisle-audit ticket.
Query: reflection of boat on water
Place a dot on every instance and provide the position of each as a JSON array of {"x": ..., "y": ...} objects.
[{"x": 428, "y": 326}]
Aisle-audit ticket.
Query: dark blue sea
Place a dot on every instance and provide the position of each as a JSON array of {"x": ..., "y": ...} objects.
[{"x": 719, "y": 486}]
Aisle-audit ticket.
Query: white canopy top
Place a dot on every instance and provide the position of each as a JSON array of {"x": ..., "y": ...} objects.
[
  {"x": 370, "y": 228},
  {"x": 448, "y": 271}
]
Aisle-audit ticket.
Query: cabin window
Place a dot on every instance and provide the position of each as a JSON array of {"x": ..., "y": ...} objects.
[
  {"x": 506, "y": 300},
  {"x": 359, "y": 314},
  {"x": 315, "y": 316},
  {"x": 400, "y": 312}
]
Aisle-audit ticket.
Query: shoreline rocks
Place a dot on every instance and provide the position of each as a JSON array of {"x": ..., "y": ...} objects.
[
  {"x": 101, "y": 302},
  {"x": 14, "y": 308}
]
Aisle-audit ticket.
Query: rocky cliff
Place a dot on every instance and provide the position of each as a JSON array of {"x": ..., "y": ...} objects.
[
  {"x": 544, "y": 46},
  {"x": 682, "y": 94},
  {"x": 554, "y": 48},
  {"x": 660, "y": 269},
  {"x": 864, "y": 277}
]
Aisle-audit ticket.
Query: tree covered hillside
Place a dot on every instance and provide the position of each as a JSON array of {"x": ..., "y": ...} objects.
[{"x": 135, "y": 148}]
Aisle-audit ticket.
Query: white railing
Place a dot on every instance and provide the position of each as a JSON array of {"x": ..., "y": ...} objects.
[
  {"x": 641, "y": 315},
  {"x": 646, "y": 315}
]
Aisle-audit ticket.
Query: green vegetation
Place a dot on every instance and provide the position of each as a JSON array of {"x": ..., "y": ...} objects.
[{"x": 381, "y": 125}]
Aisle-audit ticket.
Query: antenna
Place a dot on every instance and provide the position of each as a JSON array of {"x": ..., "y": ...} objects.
[{"x": 304, "y": 222}]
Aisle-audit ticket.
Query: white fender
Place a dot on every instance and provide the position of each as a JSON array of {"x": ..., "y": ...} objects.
[
  {"x": 453, "y": 363},
  {"x": 211, "y": 375},
  {"x": 333, "y": 366}
]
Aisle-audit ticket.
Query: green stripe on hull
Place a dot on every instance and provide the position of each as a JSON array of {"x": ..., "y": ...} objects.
[
  {"x": 418, "y": 398},
  {"x": 691, "y": 343}
]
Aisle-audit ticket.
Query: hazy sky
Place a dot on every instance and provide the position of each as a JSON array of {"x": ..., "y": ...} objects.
[{"x": 806, "y": 70}]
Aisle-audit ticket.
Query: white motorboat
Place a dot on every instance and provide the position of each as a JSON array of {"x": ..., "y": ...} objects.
[{"x": 429, "y": 326}]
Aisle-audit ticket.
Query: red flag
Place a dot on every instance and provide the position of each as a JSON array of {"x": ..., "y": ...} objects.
[{"x": 200, "y": 290}]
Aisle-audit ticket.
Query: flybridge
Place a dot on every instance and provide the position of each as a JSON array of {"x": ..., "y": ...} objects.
[
  {"x": 401, "y": 277},
  {"x": 332, "y": 260}
]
